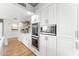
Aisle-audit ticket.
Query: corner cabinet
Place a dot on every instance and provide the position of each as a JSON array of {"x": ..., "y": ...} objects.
[{"x": 52, "y": 14}]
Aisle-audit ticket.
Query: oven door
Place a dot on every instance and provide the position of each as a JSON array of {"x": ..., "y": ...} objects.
[
  {"x": 35, "y": 42},
  {"x": 35, "y": 29}
]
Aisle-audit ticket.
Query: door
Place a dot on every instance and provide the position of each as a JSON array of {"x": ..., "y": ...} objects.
[
  {"x": 38, "y": 14},
  {"x": 67, "y": 26},
  {"x": 47, "y": 45},
  {"x": 44, "y": 16},
  {"x": 51, "y": 46},
  {"x": 52, "y": 14},
  {"x": 42, "y": 46},
  {"x": 77, "y": 42}
]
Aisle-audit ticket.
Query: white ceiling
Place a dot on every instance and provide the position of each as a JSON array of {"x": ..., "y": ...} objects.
[{"x": 9, "y": 11}]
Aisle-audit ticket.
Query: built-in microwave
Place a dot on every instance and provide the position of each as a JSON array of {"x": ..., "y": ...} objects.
[{"x": 49, "y": 30}]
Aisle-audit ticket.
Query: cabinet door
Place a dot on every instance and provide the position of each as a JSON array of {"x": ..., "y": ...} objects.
[
  {"x": 77, "y": 42},
  {"x": 67, "y": 25},
  {"x": 52, "y": 14},
  {"x": 51, "y": 46},
  {"x": 44, "y": 16},
  {"x": 42, "y": 45},
  {"x": 38, "y": 14}
]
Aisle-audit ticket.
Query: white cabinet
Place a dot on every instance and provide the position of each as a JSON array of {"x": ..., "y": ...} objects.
[
  {"x": 77, "y": 42},
  {"x": 47, "y": 42},
  {"x": 47, "y": 45},
  {"x": 34, "y": 18},
  {"x": 26, "y": 39},
  {"x": 38, "y": 14},
  {"x": 65, "y": 16},
  {"x": 52, "y": 14},
  {"x": 42, "y": 45},
  {"x": 51, "y": 46},
  {"x": 48, "y": 15},
  {"x": 44, "y": 16},
  {"x": 67, "y": 25}
]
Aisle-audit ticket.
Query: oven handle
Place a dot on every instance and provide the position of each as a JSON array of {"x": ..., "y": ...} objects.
[{"x": 34, "y": 38}]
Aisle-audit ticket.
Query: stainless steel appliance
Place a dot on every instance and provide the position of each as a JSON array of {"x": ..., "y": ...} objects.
[
  {"x": 49, "y": 30},
  {"x": 35, "y": 35},
  {"x": 35, "y": 29},
  {"x": 35, "y": 42}
]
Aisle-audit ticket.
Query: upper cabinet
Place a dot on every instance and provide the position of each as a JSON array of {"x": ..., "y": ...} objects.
[
  {"x": 52, "y": 14},
  {"x": 38, "y": 14},
  {"x": 48, "y": 15},
  {"x": 44, "y": 16},
  {"x": 34, "y": 18}
]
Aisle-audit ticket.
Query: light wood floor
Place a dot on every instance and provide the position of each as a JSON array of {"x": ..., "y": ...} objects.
[{"x": 16, "y": 48}]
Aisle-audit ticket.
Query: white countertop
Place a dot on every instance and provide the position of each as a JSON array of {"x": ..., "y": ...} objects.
[{"x": 1, "y": 41}]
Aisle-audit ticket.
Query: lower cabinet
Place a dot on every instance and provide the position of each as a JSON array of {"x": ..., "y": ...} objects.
[
  {"x": 51, "y": 46},
  {"x": 47, "y": 45},
  {"x": 42, "y": 45},
  {"x": 66, "y": 47}
]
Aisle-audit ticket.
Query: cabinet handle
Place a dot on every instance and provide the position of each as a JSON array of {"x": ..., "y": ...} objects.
[
  {"x": 46, "y": 38},
  {"x": 76, "y": 34},
  {"x": 77, "y": 45}
]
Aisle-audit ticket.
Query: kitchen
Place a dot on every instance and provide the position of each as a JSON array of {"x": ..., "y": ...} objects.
[{"x": 47, "y": 29}]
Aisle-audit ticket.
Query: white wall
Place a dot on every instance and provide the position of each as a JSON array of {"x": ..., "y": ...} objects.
[
  {"x": 8, "y": 33},
  {"x": 9, "y": 12}
]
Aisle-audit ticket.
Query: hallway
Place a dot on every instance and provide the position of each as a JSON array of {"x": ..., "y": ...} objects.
[{"x": 16, "y": 48}]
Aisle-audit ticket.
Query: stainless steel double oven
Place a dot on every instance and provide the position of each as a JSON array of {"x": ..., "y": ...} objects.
[{"x": 35, "y": 35}]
